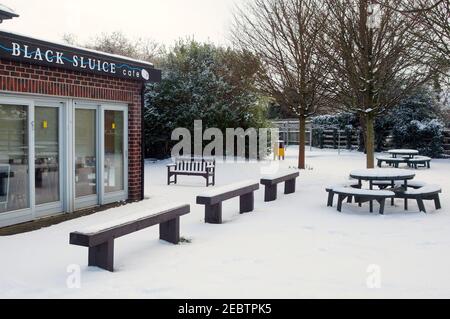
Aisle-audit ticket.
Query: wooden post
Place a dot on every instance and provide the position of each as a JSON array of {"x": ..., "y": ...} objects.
[
  {"x": 213, "y": 214},
  {"x": 247, "y": 203},
  {"x": 270, "y": 193},
  {"x": 102, "y": 256},
  {"x": 289, "y": 186},
  {"x": 170, "y": 231}
]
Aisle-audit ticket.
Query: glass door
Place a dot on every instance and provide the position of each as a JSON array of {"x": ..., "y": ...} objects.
[
  {"x": 47, "y": 163},
  {"x": 15, "y": 136},
  {"x": 86, "y": 156},
  {"x": 115, "y": 153}
]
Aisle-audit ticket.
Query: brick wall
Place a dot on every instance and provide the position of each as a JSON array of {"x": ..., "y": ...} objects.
[{"x": 26, "y": 78}]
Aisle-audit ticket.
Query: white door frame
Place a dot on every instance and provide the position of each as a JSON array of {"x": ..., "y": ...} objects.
[
  {"x": 26, "y": 214},
  {"x": 56, "y": 207},
  {"x": 91, "y": 200},
  {"x": 107, "y": 198}
]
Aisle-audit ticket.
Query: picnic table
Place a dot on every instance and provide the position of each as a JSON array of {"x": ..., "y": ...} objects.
[
  {"x": 393, "y": 175},
  {"x": 403, "y": 152}
]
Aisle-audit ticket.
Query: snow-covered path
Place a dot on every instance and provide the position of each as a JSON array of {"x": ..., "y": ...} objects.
[{"x": 295, "y": 247}]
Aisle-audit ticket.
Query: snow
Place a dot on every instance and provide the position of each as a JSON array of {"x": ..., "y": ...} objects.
[
  {"x": 121, "y": 57},
  {"x": 294, "y": 247},
  {"x": 428, "y": 189},
  {"x": 355, "y": 191},
  {"x": 129, "y": 218},
  {"x": 404, "y": 152},
  {"x": 228, "y": 188},
  {"x": 382, "y": 173},
  {"x": 6, "y": 9}
]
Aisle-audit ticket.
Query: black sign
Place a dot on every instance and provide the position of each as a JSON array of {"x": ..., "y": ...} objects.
[{"x": 28, "y": 50}]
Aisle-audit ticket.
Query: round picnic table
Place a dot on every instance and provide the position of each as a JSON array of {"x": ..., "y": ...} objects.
[
  {"x": 405, "y": 152},
  {"x": 392, "y": 174}
]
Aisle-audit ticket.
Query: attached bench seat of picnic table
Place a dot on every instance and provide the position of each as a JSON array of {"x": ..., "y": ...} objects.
[
  {"x": 330, "y": 191},
  {"x": 100, "y": 239},
  {"x": 213, "y": 199},
  {"x": 424, "y": 161},
  {"x": 271, "y": 184},
  {"x": 391, "y": 161},
  {"x": 428, "y": 192},
  {"x": 363, "y": 196}
]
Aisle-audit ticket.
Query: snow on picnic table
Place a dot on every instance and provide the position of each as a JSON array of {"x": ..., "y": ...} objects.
[{"x": 294, "y": 247}]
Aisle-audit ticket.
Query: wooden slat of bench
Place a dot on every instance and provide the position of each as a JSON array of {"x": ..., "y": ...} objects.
[
  {"x": 276, "y": 179},
  {"x": 226, "y": 195},
  {"x": 86, "y": 239}
]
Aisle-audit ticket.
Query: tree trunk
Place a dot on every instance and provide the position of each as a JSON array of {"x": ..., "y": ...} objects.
[
  {"x": 302, "y": 143},
  {"x": 370, "y": 140}
]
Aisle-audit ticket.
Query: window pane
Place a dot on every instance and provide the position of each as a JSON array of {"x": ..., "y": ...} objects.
[
  {"x": 47, "y": 154},
  {"x": 14, "y": 180},
  {"x": 114, "y": 151},
  {"x": 85, "y": 153}
]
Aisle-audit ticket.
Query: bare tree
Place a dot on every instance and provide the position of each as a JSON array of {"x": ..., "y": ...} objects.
[
  {"x": 375, "y": 59},
  {"x": 283, "y": 35},
  {"x": 118, "y": 43}
]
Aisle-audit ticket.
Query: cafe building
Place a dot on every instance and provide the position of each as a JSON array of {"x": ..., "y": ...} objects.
[{"x": 71, "y": 124}]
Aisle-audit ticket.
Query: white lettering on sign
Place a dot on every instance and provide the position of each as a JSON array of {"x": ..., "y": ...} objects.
[
  {"x": 77, "y": 61},
  {"x": 16, "y": 49}
]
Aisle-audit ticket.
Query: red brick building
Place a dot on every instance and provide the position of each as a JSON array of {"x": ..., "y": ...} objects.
[{"x": 70, "y": 128}]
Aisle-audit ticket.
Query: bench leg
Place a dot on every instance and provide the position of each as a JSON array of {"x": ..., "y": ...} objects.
[
  {"x": 437, "y": 202},
  {"x": 330, "y": 199},
  {"x": 350, "y": 200},
  {"x": 340, "y": 200},
  {"x": 102, "y": 256},
  {"x": 421, "y": 206},
  {"x": 270, "y": 193},
  {"x": 170, "y": 231},
  {"x": 213, "y": 214},
  {"x": 247, "y": 203},
  {"x": 382, "y": 204},
  {"x": 289, "y": 187}
]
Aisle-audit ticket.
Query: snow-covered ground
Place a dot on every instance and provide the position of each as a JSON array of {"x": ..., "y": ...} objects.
[{"x": 295, "y": 247}]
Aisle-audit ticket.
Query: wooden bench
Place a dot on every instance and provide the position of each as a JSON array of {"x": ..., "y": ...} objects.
[
  {"x": 213, "y": 200},
  {"x": 271, "y": 185},
  {"x": 363, "y": 196},
  {"x": 428, "y": 192},
  {"x": 419, "y": 161},
  {"x": 100, "y": 239},
  {"x": 330, "y": 191},
  {"x": 192, "y": 166},
  {"x": 391, "y": 161}
]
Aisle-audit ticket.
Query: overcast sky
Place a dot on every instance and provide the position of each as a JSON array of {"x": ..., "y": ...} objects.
[{"x": 161, "y": 20}]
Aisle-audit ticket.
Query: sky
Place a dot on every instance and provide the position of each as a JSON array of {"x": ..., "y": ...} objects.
[{"x": 164, "y": 21}]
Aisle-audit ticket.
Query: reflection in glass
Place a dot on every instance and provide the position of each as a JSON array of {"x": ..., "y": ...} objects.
[
  {"x": 85, "y": 153},
  {"x": 14, "y": 178},
  {"x": 47, "y": 155},
  {"x": 114, "y": 151}
]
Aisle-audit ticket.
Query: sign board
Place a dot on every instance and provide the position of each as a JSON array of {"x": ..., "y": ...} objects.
[{"x": 28, "y": 50}]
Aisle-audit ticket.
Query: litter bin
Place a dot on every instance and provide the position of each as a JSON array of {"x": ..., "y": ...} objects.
[{"x": 281, "y": 150}]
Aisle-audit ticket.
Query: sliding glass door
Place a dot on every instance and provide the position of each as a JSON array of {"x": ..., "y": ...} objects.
[
  {"x": 115, "y": 151},
  {"x": 14, "y": 157},
  {"x": 30, "y": 159},
  {"x": 101, "y": 144},
  {"x": 86, "y": 170}
]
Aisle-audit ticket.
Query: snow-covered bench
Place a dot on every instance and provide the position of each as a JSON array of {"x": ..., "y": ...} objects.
[
  {"x": 419, "y": 161},
  {"x": 428, "y": 192},
  {"x": 391, "y": 161},
  {"x": 363, "y": 196},
  {"x": 192, "y": 166},
  {"x": 330, "y": 191},
  {"x": 271, "y": 184},
  {"x": 100, "y": 239},
  {"x": 214, "y": 198}
]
